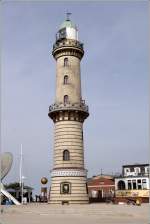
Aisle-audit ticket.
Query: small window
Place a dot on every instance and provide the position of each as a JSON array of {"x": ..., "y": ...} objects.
[
  {"x": 65, "y": 188},
  {"x": 129, "y": 185},
  {"x": 65, "y": 62},
  {"x": 66, "y": 155},
  {"x": 66, "y": 79},
  {"x": 132, "y": 169},
  {"x": 134, "y": 184},
  {"x": 146, "y": 169},
  {"x": 137, "y": 170},
  {"x": 82, "y": 135},
  {"x": 142, "y": 169},
  {"x": 144, "y": 184},
  {"x": 66, "y": 99}
]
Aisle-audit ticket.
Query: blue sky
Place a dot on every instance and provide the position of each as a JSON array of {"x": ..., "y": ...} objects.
[{"x": 114, "y": 74}]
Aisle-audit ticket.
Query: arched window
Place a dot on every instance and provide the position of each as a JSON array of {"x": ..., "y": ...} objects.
[
  {"x": 66, "y": 99},
  {"x": 66, "y": 155},
  {"x": 121, "y": 185},
  {"x": 65, "y": 188},
  {"x": 66, "y": 79},
  {"x": 65, "y": 62}
]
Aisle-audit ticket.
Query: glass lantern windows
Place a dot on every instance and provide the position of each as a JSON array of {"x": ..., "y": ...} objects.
[{"x": 61, "y": 34}]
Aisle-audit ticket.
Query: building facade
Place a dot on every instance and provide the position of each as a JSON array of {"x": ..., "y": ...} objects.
[
  {"x": 101, "y": 188},
  {"x": 134, "y": 183},
  {"x": 68, "y": 177},
  {"x": 135, "y": 170}
]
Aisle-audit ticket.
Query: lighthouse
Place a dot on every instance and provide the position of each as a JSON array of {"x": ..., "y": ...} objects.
[{"x": 68, "y": 112}]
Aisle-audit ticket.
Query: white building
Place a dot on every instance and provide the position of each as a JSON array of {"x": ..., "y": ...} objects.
[
  {"x": 134, "y": 182},
  {"x": 135, "y": 170},
  {"x": 131, "y": 183}
]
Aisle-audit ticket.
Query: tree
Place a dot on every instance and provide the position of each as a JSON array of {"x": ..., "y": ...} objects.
[{"x": 16, "y": 186}]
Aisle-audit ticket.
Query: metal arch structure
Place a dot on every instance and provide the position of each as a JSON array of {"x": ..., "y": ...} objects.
[{"x": 6, "y": 161}]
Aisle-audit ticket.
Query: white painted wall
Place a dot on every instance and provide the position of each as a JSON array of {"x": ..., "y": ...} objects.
[
  {"x": 136, "y": 171},
  {"x": 145, "y": 185}
]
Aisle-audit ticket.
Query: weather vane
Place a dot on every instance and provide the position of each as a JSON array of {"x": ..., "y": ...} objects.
[{"x": 68, "y": 15}]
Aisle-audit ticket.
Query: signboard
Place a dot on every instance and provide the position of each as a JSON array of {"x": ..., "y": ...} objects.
[{"x": 132, "y": 193}]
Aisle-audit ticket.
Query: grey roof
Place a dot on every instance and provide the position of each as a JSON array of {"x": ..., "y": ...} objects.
[{"x": 136, "y": 164}]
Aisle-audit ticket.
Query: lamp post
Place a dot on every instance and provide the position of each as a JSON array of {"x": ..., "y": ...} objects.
[
  {"x": 44, "y": 181},
  {"x": 22, "y": 188}
]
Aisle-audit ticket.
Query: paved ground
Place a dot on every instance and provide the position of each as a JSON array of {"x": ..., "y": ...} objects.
[{"x": 75, "y": 214}]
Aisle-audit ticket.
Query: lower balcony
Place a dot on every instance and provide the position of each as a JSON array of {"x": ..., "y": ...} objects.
[
  {"x": 68, "y": 106},
  {"x": 68, "y": 111}
]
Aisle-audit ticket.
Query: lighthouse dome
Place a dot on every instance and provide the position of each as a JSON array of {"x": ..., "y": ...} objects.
[
  {"x": 67, "y": 30},
  {"x": 68, "y": 23}
]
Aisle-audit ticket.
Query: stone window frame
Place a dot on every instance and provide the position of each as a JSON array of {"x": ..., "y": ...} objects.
[{"x": 62, "y": 185}]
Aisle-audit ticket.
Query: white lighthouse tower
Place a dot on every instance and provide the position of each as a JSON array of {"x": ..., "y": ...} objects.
[{"x": 68, "y": 177}]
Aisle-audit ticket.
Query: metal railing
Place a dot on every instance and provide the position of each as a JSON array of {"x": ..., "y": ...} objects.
[
  {"x": 67, "y": 43},
  {"x": 71, "y": 106}
]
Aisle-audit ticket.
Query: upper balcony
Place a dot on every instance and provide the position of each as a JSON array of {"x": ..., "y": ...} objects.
[{"x": 67, "y": 43}]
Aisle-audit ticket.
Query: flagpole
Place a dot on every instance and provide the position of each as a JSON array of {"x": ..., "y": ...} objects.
[{"x": 21, "y": 183}]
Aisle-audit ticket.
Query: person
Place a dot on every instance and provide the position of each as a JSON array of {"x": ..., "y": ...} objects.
[{"x": 8, "y": 201}]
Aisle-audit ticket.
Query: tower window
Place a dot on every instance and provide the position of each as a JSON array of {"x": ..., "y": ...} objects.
[
  {"x": 82, "y": 135},
  {"x": 65, "y": 62},
  {"x": 66, "y": 79},
  {"x": 66, "y": 155},
  {"x": 65, "y": 188},
  {"x": 66, "y": 99}
]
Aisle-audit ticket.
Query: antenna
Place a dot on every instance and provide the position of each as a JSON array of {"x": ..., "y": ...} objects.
[{"x": 68, "y": 15}]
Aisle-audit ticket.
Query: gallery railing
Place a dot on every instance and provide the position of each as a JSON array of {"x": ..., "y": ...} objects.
[{"x": 68, "y": 106}]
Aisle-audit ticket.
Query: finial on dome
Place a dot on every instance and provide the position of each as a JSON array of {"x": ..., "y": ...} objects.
[{"x": 68, "y": 16}]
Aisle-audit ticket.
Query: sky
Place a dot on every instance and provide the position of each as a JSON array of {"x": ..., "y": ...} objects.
[{"x": 114, "y": 73}]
